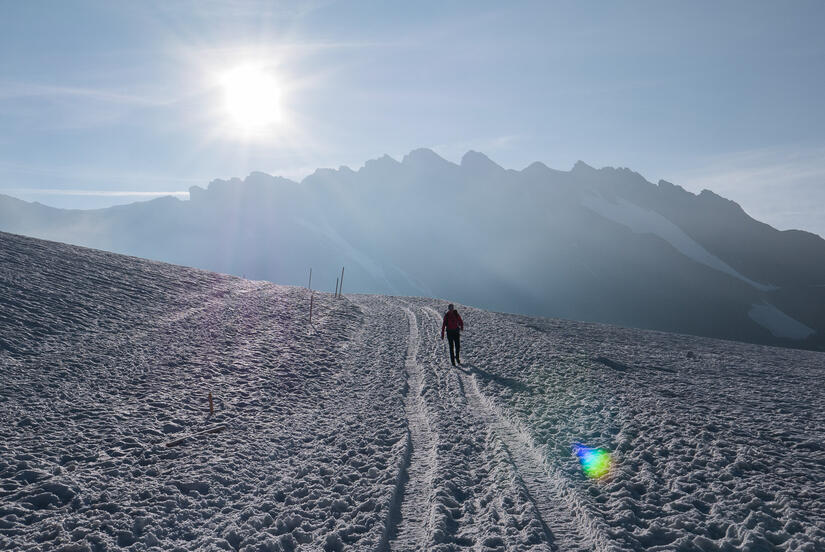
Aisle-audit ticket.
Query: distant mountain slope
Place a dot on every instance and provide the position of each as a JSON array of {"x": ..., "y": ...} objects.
[{"x": 600, "y": 245}]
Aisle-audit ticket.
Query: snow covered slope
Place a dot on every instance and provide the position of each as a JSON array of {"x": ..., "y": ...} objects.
[{"x": 355, "y": 433}]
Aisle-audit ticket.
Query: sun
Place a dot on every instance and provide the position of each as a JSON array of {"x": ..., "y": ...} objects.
[{"x": 252, "y": 98}]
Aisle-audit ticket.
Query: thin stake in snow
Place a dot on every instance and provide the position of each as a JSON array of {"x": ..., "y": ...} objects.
[
  {"x": 341, "y": 288},
  {"x": 309, "y": 286},
  {"x": 211, "y": 404},
  {"x": 336, "y": 287}
]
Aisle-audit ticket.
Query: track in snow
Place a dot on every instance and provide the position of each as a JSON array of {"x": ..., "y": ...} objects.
[
  {"x": 410, "y": 532},
  {"x": 569, "y": 527}
]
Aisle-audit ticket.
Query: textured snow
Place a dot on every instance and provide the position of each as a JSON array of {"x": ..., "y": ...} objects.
[
  {"x": 778, "y": 323},
  {"x": 355, "y": 433},
  {"x": 643, "y": 221}
]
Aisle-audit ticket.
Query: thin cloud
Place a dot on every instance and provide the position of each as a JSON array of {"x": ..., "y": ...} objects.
[
  {"x": 84, "y": 173},
  {"x": 13, "y": 90},
  {"x": 98, "y": 193}
]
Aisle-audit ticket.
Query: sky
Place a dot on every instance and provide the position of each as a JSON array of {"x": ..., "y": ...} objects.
[{"x": 107, "y": 102}]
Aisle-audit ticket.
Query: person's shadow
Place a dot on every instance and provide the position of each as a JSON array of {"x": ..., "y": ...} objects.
[
  {"x": 468, "y": 370},
  {"x": 512, "y": 383}
]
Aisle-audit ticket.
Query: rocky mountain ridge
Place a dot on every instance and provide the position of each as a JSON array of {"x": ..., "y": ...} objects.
[{"x": 588, "y": 244}]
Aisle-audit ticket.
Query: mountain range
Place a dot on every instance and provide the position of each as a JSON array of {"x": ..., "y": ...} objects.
[{"x": 601, "y": 245}]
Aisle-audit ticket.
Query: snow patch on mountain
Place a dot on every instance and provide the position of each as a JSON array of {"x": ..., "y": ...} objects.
[
  {"x": 779, "y": 323},
  {"x": 643, "y": 221}
]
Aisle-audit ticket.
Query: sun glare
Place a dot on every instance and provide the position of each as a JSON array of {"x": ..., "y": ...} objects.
[{"x": 252, "y": 98}]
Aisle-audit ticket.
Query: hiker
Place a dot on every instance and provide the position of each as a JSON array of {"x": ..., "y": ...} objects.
[{"x": 454, "y": 325}]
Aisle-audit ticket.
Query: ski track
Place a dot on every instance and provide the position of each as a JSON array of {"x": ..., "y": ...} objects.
[
  {"x": 411, "y": 528},
  {"x": 570, "y": 528},
  {"x": 461, "y": 490}
]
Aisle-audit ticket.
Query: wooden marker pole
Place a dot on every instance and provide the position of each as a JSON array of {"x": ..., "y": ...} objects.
[
  {"x": 211, "y": 404},
  {"x": 336, "y": 287},
  {"x": 310, "y": 279},
  {"x": 340, "y": 290}
]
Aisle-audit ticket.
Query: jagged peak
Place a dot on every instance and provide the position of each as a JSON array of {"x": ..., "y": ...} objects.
[
  {"x": 258, "y": 174},
  {"x": 536, "y": 166},
  {"x": 386, "y": 158},
  {"x": 581, "y": 166},
  {"x": 321, "y": 172},
  {"x": 262, "y": 178},
  {"x": 383, "y": 161},
  {"x": 219, "y": 184},
  {"x": 712, "y": 198},
  {"x": 537, "y": 169},
  {"x": 196, "y": 191},
  {"x": 424, "y": 156},
  {"x": 327, "y": 172},
  {"x": 670, "y": 186},
  {"x": 477, "y": 160},
  {"x": 255, "y": 182}
]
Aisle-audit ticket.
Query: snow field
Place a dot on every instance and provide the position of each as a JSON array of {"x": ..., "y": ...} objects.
[
  {"x": 717, "y": 445},
  {"x": 314, "y": 416},
  {"x": 355, "y": 433}
]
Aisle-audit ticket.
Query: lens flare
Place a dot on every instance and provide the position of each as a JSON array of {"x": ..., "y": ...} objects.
[{"x": 596, "y": 462}]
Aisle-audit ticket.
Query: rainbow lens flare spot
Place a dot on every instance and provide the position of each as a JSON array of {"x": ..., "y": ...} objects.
[{"x": 596, "y": 462}]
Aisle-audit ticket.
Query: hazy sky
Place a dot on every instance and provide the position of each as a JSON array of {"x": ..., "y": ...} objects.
[{"x": 103, "y": 99}]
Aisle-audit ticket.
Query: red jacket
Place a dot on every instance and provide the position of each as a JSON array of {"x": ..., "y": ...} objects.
[{"x": 452, "y": 321}]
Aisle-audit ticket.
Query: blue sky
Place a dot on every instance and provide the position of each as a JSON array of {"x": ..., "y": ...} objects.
[{"x": 101, "y": 101}]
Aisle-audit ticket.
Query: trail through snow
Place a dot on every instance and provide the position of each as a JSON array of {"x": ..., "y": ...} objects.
[
  {"x": 355, "y": 433},
  {"x": 411, "y": 528},
  {"x": 569, "y": 528}
]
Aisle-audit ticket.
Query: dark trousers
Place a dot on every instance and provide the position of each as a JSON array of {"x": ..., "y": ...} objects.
[{"x": 454, "y": 337}]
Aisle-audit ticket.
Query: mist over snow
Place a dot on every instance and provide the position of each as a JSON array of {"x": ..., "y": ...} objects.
[
  {"x": 599, "y": 245},
  {"x": 355, "y": 433}
]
